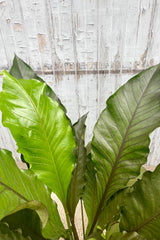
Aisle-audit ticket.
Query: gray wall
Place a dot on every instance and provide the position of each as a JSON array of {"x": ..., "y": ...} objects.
[{"x": 84, "y": 49}]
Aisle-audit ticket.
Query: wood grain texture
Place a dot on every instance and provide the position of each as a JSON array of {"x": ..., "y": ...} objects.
[{"x": 84, "y": 49}]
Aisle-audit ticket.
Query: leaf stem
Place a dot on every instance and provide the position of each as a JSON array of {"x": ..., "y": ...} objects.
[
  {"x": 68, "y": 223},
  {"x": 74, "y": 230},
  {"x": 82, "y": 214}
]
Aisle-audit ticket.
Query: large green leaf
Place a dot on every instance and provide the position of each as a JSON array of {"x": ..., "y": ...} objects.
[
  {"x": 28, "y": 221},
  {"x": 21, "y": 70},
  {"x": 18, "y": 188},
  {"x": 77, "y": 183},
  {"x": 111, "y": 212},
  {"x": 7, "y": 234},
  {"x": 41, "y": 130},
  {"x": 120, "y": 143},
  {"x": 141, "y": 213}
]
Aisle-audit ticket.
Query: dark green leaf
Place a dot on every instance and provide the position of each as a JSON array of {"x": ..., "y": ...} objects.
[
  {"x": 23, "y": 160},
  {"x": 120, "y": 144},
  {"x": 98, "y": 235},
  {"x": 41, "y": 130},
  {"x": 111, "y": 212},
  {"x": 28, "y": 221},
  {"x": 141, "y": 213},
  {"x": 78, "y": 179},
  {"x": 21, "y": 70},
  {"x": 126, "y": 236},
  {"x": 7, "y": 234},
  {"x": 18, "y": 188}
]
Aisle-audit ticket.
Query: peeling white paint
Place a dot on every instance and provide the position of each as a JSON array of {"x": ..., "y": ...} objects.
[{"x": 84, "y": 49}]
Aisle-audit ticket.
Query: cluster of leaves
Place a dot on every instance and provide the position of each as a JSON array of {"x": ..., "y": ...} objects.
[{"x": 58, "y": 162}]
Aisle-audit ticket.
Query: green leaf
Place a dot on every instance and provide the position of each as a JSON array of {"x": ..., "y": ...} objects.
[
  {"x": 141, "y": 212},
  {"x": 126, "y": 236},
  {"x": 18, "y": 188},
  {"x": 111, "y": 212},
  {"x": 77, "y": 183},
  {"x": 28, "y": 221},
  {"x": 7, "y": 234},
  {"x": 21, "y": 70},
  {"x": 41, "y": 130},
  {"x": 120, "y": 143},
  {"x": 90, "y": 192},
  {"x": 98, "y": 235}
]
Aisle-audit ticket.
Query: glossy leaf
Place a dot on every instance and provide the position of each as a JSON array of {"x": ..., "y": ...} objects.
[
  {"x": 120, "y": 143},
  {"x": 28, "y": 221},
  {"x": 141, "y": 212},
  {"x": 21, "y": 70},
  {"x": 41, "y": 130},
  {"x": 18, "y": 188},
  {"x": 7, "y": 234},
  {"x": 78, "y": 179}
]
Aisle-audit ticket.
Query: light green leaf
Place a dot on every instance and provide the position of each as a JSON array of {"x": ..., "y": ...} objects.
[
  {"x": 120, "y": 143},
  {"x": 28, "y": 221},
  {"x": 18, "y": 188},
  {"x": 141, "y": 213},
  {"x": 41, "y": 130},
  {"x": 21, "y": 70},
  {"x": 7, "y": 234},
  {"x": 77, "y": 183}
]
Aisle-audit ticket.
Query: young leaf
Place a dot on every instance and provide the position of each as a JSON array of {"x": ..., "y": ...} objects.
[
  {"x": 21, "y": 70},
  {"x": 120, "y": 144},
  {"x": 78, "y": 179},
  {"x": 18, "y": 188},
  {"x": 141, "y": 212},
  {"x": 28, "y": 221},
  {"x": 7, "y": 234},
  {"x": 41, "y": 130}
]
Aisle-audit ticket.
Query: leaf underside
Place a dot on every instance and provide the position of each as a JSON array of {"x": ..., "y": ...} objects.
[
  {"x": 141, "y": 213},
  {"x": 120, "y": 143},
  {"x": 28, "y": 221},
  {"x": 7, "y": 234}
]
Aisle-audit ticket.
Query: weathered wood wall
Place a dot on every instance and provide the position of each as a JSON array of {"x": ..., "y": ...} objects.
[{"x": 84, "y": 49}]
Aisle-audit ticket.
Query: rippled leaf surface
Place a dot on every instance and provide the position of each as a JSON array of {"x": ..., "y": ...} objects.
[{"x": 120, "y": 144}]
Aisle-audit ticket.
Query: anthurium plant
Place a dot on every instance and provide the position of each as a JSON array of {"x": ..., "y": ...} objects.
[{"x": 105, "y": 179}]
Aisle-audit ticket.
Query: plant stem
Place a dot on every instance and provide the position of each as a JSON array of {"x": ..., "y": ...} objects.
[
  {"x": 82, "y": 219},
  {"x": 68, "y": 223},
  {"x": 74, "y": 230}
]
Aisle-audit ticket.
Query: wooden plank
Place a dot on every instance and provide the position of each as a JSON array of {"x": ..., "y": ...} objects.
[{"x": 85, "y": 50}]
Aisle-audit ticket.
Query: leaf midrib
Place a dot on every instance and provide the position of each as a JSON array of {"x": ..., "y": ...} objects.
[
  {"x": 147, "y": 221},
  {"x": 117, "y": 161},
  {"x": 45, "y": 135}
]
